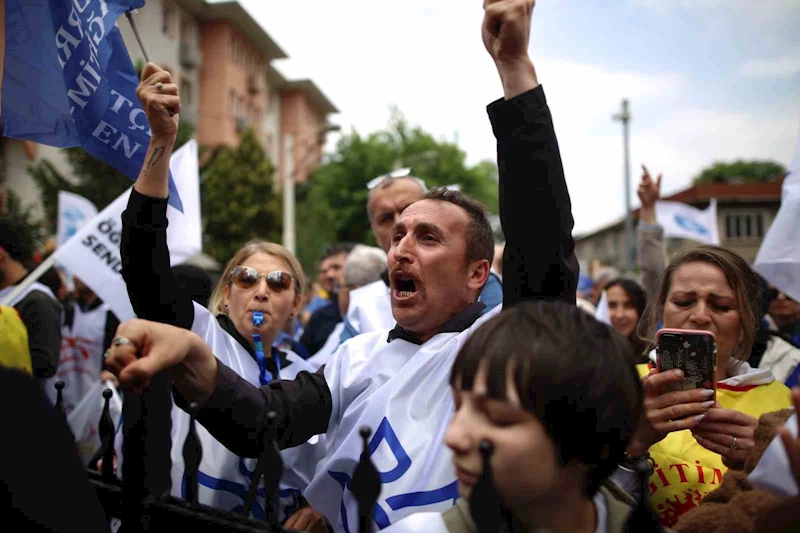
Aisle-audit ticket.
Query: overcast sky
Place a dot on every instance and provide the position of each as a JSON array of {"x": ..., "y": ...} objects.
[{"x": 707, "y": 79}]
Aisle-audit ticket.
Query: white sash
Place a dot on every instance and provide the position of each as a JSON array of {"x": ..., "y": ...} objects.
[
  {"x": 402, "y": 392},
  {"x": 81, "y": 355},
  {"x": 224, "y": 478},
  {"x": 370, "y": 308},
  {"x": 35, "y": 286}
]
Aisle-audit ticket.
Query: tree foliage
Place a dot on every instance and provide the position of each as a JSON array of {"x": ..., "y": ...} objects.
[
  {"x": 331, "y": 207},
  {"x": 238, "y": 200},
  {"x": 741, "y": 171},
  {"x": 95, "y": 180}
]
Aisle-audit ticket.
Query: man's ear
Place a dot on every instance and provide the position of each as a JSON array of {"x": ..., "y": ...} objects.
[{"x": 478, "y": 274}]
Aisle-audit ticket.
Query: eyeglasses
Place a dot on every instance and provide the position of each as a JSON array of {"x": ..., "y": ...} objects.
[
  {"x": 395, "y": 174},
  {"x": 245, "y": 278}
]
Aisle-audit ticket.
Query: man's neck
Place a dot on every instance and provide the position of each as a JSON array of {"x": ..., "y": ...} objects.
[{"x": 13, "y": 274}]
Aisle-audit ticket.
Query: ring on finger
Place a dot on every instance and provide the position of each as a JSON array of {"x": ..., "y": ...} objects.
[
  {"x": 158, "y": 86},
  {"x": 734, "y": 446},
  {"x": 119, "y": 340}
]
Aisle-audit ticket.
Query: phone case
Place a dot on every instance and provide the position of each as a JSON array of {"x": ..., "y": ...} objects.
[{"x": 694, "y": 352}]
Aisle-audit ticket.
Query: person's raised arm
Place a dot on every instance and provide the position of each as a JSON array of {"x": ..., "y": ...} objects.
[
  {"x": 143, "y": 247},
  {"x": 651, "y": 250},
  {"x": 535, "y": 212}
]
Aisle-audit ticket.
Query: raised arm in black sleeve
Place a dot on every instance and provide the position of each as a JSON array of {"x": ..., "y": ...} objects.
[
  {"x": 235, "y": 414},
  {"x": 42, "y": 318},
  {"x": 151, "y": 284},
  {"x": 535, "y": 211}
]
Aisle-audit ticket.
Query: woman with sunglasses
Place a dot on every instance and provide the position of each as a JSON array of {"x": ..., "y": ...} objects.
[{"x": 259, "y": 291}]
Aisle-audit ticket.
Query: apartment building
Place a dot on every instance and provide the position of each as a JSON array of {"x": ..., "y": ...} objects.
[{"x": 221, "y": 59}]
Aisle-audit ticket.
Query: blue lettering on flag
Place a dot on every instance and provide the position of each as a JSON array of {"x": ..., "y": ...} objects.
[
  {"x": 690, "y": 225},
  {"x": 386, "y": 433},
  {"x": 289, "y": 498},
  {"x": 68, "y": 81}
]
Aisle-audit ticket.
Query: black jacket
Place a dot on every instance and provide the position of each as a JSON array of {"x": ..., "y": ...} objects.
[{"x": 539, "y": 264}]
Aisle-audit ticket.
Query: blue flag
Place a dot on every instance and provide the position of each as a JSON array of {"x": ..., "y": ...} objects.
[{"x": 68, "y": 81}]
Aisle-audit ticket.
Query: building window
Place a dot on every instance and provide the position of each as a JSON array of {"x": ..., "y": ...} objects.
[
  {"x": 743, "y": 226},
  {"x": 186, "y": 91},
  {"x": 167, "y": 18},
  {"x": 232, "y": 103}
]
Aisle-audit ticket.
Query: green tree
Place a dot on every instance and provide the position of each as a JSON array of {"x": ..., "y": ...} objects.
[
  {"x": 331, "y": 206},
  {"x": 95, "y": 180},
  {"x": 741, "y": 171},
  {"x": 238, "y": 201}
]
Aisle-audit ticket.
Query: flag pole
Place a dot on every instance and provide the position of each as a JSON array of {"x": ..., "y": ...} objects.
[{"x": 129, "y": 14}]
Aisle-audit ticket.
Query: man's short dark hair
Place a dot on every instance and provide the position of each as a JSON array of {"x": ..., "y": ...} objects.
[
  {"x": 575, "y": 374},
  {"x": 480, "y": 239},
  {"x": 16, "y": 240},
  {"x": 336, "y": 249}
]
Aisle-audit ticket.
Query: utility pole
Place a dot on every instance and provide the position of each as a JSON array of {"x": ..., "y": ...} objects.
[
  {"x": 288, "y": 192},
  {"x": 625, "y": 116}
]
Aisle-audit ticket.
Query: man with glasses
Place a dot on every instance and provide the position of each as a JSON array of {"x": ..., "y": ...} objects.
[{"x": 369, "y": 307}]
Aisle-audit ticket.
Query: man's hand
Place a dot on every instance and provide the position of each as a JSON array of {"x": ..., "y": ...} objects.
[
  {"x": 506, "y": 33},
  {"x": 649, "y": 192},
  {"x": 148, "y": 348},
  {"x": 160, "y": 101},
  {"x": 307, "y": 519}
]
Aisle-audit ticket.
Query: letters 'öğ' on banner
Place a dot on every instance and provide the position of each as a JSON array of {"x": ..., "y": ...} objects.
[{"x": 68, "y": 81}]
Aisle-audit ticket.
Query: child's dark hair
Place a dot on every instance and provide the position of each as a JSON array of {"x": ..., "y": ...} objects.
[{"x": 571, "y": 371}]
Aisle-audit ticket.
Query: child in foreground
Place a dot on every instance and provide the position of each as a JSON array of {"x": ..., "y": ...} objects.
[{"x": 553, "y": 395}]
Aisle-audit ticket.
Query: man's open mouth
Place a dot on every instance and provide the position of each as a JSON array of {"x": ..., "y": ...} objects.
[{"x": 404, "y": 285}]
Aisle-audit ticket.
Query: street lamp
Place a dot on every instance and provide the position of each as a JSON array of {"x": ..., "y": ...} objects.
[
  {"x": 625, "y": 116},
  {"x": 289, "y": 175}
]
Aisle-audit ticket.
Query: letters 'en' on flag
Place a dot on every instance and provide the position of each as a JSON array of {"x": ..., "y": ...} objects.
[
  {"x": 73, "y": 212},
  {"x": 93, "y": 255},
  {"x": 778, "y": 259},
  {"x": 686, "y": 222},
  {"x": 68, "y": 81}
]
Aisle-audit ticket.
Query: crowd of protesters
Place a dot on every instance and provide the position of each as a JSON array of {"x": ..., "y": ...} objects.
[{"x": 443, "y": 343}]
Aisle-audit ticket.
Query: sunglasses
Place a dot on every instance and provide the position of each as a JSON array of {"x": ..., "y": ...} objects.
[
  {"x": 395, "y": 174},
  {"x": 245, "y": 278}
]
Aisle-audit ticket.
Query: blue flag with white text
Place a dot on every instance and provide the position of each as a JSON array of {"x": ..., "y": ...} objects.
[{"x": 68, "y": 81}]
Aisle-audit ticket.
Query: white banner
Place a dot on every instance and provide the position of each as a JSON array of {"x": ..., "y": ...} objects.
[
  {"x": 687, "y": 222},
  {"x": 92, "y": 254},
  {"x": 778, "y": 258},
  {"x": 74, "y": 211}
]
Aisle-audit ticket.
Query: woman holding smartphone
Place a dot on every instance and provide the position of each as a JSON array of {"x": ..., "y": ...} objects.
[{"x": 692, "y": 435}]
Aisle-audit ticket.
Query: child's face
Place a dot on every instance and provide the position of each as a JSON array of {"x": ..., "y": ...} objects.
[{"x": 524, "y": 461}]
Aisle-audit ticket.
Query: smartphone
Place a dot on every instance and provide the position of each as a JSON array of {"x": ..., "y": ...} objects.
[{"x": 693, "y": 351}]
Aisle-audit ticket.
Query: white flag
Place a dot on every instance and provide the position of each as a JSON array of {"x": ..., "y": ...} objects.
[
  {"x": 687, "y": 222},
  {"x": 74, "y": 211},
  {"x": 778, "y": 259},
  {"x": 184, "y": 232},
  {"x": 92, "y": 254},
  {"x": 603, "y": 313}
]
